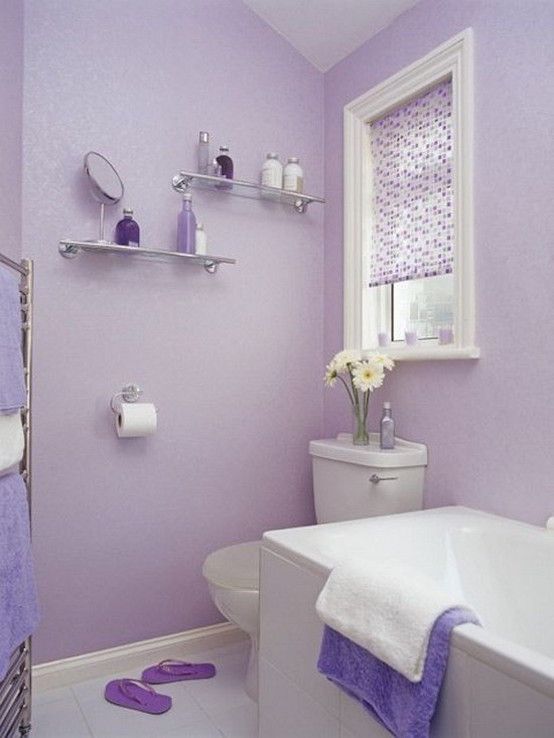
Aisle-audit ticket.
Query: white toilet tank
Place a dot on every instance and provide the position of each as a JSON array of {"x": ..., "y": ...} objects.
[{"x": 366, "y": 481}]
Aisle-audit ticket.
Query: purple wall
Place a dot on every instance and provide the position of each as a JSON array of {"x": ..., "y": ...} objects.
[
  {"x": 488, "y": 424},
  {"x": 11, "y": 94},
  {"x": 233, "y": 362}
]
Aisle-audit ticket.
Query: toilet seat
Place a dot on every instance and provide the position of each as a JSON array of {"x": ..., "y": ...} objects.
[{"x": 234, "y": 567}]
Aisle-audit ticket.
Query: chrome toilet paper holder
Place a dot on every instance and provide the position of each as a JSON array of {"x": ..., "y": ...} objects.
[{"x": 129, "y": 393}]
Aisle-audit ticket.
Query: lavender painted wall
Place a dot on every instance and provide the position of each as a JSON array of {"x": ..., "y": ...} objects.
[
  {"x": 233, "y": 362},
  {"x": 488, "y": 424},
  {"x": 11, "y": 94}
]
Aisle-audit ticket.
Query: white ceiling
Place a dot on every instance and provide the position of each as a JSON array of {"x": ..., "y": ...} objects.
[{"x": 325, "y": 31}]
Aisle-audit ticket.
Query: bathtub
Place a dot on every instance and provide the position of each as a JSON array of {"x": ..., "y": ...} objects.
[{"x": 500, "y": 677}]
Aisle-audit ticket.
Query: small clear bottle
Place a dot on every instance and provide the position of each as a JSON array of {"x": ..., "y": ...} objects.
[
  {"x": 186, "y": 227},
  {"x": 204, "y": 153},
  {"x": 272, "y": 172},
  {"x": 293, "y": 176},
  {"x": 127, "y": 231},
  {"x": 387, "y": 427}
]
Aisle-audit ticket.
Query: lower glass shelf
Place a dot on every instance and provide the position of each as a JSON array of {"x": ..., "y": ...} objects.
[{"x": 70, "y": 249}]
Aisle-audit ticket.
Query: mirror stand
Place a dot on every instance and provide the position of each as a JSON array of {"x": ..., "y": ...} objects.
[{"x": 101, "y": 238}]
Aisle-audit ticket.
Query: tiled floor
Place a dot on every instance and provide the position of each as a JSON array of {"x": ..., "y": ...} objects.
[{"x": 211, "y": 708}]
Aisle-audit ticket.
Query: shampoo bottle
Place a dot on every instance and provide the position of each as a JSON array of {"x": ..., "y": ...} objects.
[
  {"x": 387, "y": 427},
  {"x": 186, "y": 227}
]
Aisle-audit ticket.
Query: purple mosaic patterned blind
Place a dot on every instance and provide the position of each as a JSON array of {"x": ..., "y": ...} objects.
[{"x": 413, "y": 230}]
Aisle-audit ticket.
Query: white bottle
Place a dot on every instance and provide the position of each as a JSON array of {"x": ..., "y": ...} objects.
[
  {"x": 293, "y": 176},
  {"x": 272, "y": 172},
  {"x": 201, "y": 240}
]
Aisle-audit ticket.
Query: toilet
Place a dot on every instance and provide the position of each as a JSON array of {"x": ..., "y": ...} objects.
[{"x": 349, "y": 482}]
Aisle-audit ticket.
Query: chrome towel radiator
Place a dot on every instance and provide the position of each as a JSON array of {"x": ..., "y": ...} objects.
[{"x": 15, "y": 688}]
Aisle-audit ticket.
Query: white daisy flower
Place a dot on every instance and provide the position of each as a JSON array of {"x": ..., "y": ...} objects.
[
  {"x": 330, "y": 375},
  {"x": 367, "y": 375},
  {"x": 385, "y": 361},
  {"x": 340, "y": 361}
]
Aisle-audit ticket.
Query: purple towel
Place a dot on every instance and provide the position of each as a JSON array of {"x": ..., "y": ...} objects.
[
  {"x": 18, "y": 598},
  {"x": 405, "y": 708},
  {"x": 12, "y": 382}
]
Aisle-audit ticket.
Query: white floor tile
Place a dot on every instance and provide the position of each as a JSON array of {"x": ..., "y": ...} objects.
[
  {"x": 59, "y": 718},
  {"x": 239, "y": 722},
  {"x": 210, "y": 708},
  {"x": 110, "y": 721},
  {"x": 226, "y": 689},
  {"x": 194, "y": 730},
  {"x": 52, "y": 695}
]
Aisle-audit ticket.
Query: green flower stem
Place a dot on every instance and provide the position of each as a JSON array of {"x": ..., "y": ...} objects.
[
  {"x": 347, "y": 389},
  {"x": 360, "y": 407},
  {"x": 354, "y": 390}
]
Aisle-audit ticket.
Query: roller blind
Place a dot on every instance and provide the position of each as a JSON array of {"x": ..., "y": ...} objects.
[{"x": 413, "y": 222}]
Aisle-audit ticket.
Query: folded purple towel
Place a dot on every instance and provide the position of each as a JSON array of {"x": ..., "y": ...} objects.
[
  {"x": 12, "y": 382},
  {"x": 19, "y": 614},
  {"x": 404, "y": 708}
]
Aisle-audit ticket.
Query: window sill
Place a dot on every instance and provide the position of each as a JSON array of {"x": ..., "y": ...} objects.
[{"x": 430, "y": 353}]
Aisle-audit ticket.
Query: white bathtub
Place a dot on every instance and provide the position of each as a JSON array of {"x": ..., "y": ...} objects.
[{"x": 500, "y": 677}]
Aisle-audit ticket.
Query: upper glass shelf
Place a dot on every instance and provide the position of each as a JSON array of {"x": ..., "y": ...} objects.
[
  {"x": 69, "y": 249},
  {"x": 241, "y": 188}
]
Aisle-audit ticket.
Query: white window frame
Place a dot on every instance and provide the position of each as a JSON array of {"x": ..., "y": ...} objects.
[{"x": 452, "y": 59}]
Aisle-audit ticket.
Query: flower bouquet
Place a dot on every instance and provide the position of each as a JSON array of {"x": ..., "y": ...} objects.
[{"x": 360, "y": 378}]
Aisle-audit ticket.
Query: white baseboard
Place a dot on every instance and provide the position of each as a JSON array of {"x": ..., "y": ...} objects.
[{"x": 68, "y": 671}]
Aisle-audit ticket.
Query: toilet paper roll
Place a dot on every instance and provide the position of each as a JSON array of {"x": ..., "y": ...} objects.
[{"x": 136, "y": 419}]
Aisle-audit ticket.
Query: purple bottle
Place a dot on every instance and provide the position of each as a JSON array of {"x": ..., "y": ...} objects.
[
  {"x": 225, "y": 162},
  {"x": 127, "y": 231},
  {"x": 186, "y": 227}
]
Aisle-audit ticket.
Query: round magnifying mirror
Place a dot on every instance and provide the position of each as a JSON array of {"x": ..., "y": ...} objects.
[
  {"x": 105, "y": 184},
  {"x": 104, "y": 181}
]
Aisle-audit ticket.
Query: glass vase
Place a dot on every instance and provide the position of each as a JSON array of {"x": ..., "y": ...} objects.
[{"x": 360, "y": 436}]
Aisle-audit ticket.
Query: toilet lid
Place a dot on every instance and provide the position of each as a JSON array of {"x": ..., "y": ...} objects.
[{"x": 235, "y": 567}]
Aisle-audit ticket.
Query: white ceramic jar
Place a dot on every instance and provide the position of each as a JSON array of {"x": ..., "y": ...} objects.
[
  {"x": 293, "y": 176},
  {"x": 272, "y": 171}
]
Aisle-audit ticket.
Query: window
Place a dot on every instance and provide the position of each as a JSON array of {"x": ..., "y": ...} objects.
[
  {"x": 408, "y": 210},
  {"x": 421, "y": 306}
]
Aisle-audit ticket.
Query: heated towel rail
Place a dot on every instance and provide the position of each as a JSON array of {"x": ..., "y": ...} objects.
[{"x": 15, "y": 688}]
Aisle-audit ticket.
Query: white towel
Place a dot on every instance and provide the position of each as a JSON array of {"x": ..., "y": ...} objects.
[
  {"x": 12, "y": 441},
  {"x": 387, "y": 608}
]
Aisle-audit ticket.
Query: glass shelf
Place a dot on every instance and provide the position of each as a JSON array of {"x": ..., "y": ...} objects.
[
  {"x": 70, "y": 249},
  {"x": 300, "y": 202}
]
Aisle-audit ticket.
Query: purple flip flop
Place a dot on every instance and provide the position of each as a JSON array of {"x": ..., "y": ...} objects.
[
  {"x": 136, "y": 695},
  {"x": 173, "y": 670}
]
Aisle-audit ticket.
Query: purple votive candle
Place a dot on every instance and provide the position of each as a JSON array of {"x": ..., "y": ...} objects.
[
  {"x": 383, "y": 339},
  {"x": 446, "y": 335},
  {"x": 411, "y": 338}
]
